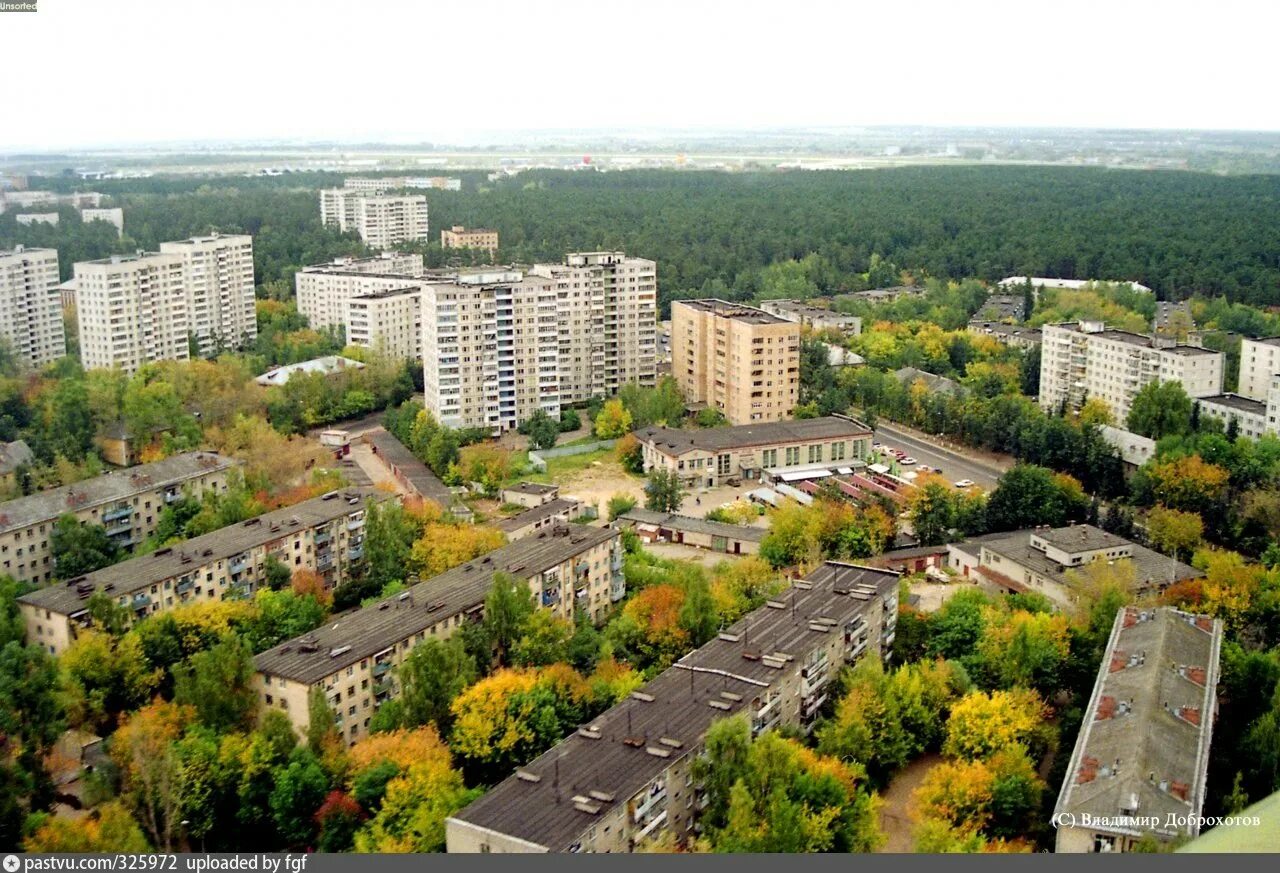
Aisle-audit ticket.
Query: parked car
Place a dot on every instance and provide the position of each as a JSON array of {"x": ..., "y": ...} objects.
[
  {"x": 964, "y": 483},
  {"x": 907, "y": 460}
]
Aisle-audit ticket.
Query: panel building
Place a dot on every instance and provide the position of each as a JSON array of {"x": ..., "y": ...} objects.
[
  {"x": 625, "y": 779},
  {"x": 1140, "y": 764},
  {"x": 127, "y": 503},
  {"x": 1084, "y": 359},
  {"x": 218, "y": 276},
  {"x": 459, "y": 237},
  {"x": 354, "y": 658},
  {"x": 813, "y": 316},
  {"x": 324, "y": 535},
  {"x": 382, "y": 220},
  {"x": 133, "y": 310},
  {"x": 31, "y": 306},
  {"x": 742, "y": 361},
  {"x": 380, "y": 311}
]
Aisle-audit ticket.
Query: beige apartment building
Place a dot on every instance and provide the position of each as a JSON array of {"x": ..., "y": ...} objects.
[
  {"x": 387, "y": 321},
  {"x": 569, "y": 569},
  {"x": 31, "y": 306},
  {"x": 1259, "y": 362},
  {"x": 607, "y": 315},
  {"x": 742, "y": 361},
  {"x": 813, "y": 317},
  {"x": 1085, "y": 359},
  {"x": 490, "y": 347},
  {"x": 625, "y": 780},
  {"x": 218, "y": 275},
  {"x": 127, "y": 503},
  {"x": 324, "y": 535},
  {"x": 459, "y": 237},
  {"x": 113, "y": 216},
  {"x": 387, "y": 263},
  {"x": 133, "y": 310},
  {"x": 382, "y": 220}
]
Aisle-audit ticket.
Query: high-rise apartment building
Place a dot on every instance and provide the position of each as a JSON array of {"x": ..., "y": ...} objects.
[
  {"x": 382, "y": 220},
  {"x": 31, "y": 305},
  {"x": 218, "y": 276},
  {"x": 740, "y": 360},
  {"x": 388, "y": 321},
  {"x": 1259, "y": 362},
  {"x": 133, "y": 310},
  {"x": 1085, "y": 359},
  {"x": 607, "y": 313},
  {"x": 490, "y": 349}
]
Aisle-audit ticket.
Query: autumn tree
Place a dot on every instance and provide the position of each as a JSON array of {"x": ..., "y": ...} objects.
[
  {"x": 982, "y": 724},
  {"x": 150, "y": 776},
  {"x": 104, "y": 677},
  {"x": 218, "y": 685},
  {"x": 108, "y": 828},
  {"x": 613, "y": 421},
  {"x": 1175, "y": 532},
  {"x": 444, "y": 546},
  {"x": 1186, "y": 483}
]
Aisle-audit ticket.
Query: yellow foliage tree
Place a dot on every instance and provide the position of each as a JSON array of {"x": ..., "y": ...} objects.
[
  {"x": 613, "y": 421},
  {"x": 983, "y": 724},
  {"x": 443, "y": 546},
  {"x": 107, "y": 828}
]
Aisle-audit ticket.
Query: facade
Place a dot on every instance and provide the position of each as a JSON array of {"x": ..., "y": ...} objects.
[
  {"x": 742, "y": 361},
  {"x": 607, "y": 318},
  {"x": 324, "y": 535},
  {"x": 387, "y": 321},
  {"x": 812, "y": 316},
  {"x": 387, "y": 263},
  {"x": 393, "y": 183},
  {"x": 1039, "y": 560},
  {"x": 715, "y": 455},
  {"x": 1259, "y": 362},
  {"x": 325, "y": 295},
  {"x": 490, "y": 349},
  {"x": 1084, "y": 359},
  {"x": 1039, "y": 282},
  {"x": 625, "y": 779},
  {"x": 127, "y": 503},
  {"x": 354, "y": 658},
  {"x": 547, "y": 515},
  {"x": 1135, "y": 449},
  {"x": 218, "y": 277},
  {"x": 459, "y": 237},
  {"x": 715, "y": 536},
  {"x": 31, "y": 306},
  {"x": 1141, "y": 760},
  {"x": 1007, "y": 334},
  {"x": 133, "y": 310},
  {"x": 114, "y": 217},
  {"x": 382, "y": 220},
  {"x": 1250, "y": 416},
  {"x": 29, "y": 218}
]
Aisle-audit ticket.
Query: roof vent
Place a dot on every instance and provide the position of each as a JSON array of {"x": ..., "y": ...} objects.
[
  {"x": 340, "y": 650},
  {"x": 590, "y": 733},
  {"x": 730, "y": 638},
  {"x": 602, "y": 796},
  {"x": 526, "y": 776},
  {"x": 658, "y": 752},
  {"x": 721, "y": 704},
  {"x": 642, "y": 697}
]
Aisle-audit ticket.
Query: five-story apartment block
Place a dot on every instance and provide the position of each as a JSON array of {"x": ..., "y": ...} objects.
[{"x": 30, "y": 306}]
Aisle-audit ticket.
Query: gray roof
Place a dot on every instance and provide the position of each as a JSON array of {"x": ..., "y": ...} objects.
[
  {"x": 1144, "y": 743},
  {"x": 1080, "y": 538},
  {"x": 677, "y": 441},
  {"x": 116, "y": 485},
  {"x": 735, "y": 311},
  {"x": 13, "y": 455},
  {"x": 676, "y": 708},
  {"x": 420, "y": 476},
  {"x": 934, "y": 382},
  {"x": 536, "y": 514},
  {"x": 1150, "y": 567},
  {"x": 1236, "y": 402},
  {"x": 675, "y": 521},
  {"x": 143, "y": 571},
  {"x": 367, "y": 631},
  {"x": 804, "y": 310},
  {"x": 532, "y": 488}
]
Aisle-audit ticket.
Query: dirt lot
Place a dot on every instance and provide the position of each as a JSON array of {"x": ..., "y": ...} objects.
[
  {"x": 600, "y": 480},
  {"x": 895, "y": 814},
  {"x": 933, "y": 594},
  {"x": 701, "y": 556}
]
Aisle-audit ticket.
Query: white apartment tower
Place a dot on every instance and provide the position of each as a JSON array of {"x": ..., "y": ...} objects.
[
  {"x": 1082, "y": 360},
  {"x": 490, "y": 344},
  {"x": 377, "y": 300},
  {"x": 382, "y": 220},
  {"x": 218, "y": 274},
  {"x": 1259, "y": 362},
  {"x": 133, "y": 310},
  {"x": 31, "y": 306},
  {"x": 607, "y": 314}
]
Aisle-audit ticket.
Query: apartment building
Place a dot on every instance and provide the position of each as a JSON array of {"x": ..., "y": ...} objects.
[
  {"x": 1250, "y": 416},
  {"x": 395, "y": 183},
  {"x": 354, "y": 658},
  {"x": 218, "y": 277},
  {"x": 113, "y": 217},
  {"x": 1040, "y": 560},
  {"x": 1084, "y": 359},
  {"x": 133, "y": 309},
  {"x": 31, "y": 306},
  {"x": 1141, "y": 760},
  {"x": 625, "y": 778},
  {"x": 813, "y": 317},
  {"x": 459, "y": 237},
  {"x": 388, "y": 321},
  {"x": 382, "y": 220},
  {"x": 712, "y": 456},
  {"x": 325, "y": 535},
  {"x": 1007, "y": 334},
  {"x": 30, "y": 218},
  {"x": 607, "y": 316},
  {"x": 742, "y": 361},
  {"x": 1259, "y": 362},
  {"x": 490, "y": 342},
  {"x": 127, "y": 503},
  {"x": 388, "y": 263},
  {"x": 324, "y": 296}
]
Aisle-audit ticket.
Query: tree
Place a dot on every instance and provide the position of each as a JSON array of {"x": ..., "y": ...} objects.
[
  {"x": 620, "y": 504},
  {"x": 79, "y": 548},
  {"x": 105, "y": 677},
  {"x": 281, "y": 615},
  {"x": 662, "y": 491},
  {"x": 1160, "y": 409},
  {"x": 150, "y": 777},
  {"x": 323, "y": 736},
  {"x": 339, "y": 817},
  {"x": 218, "y": 685},
  {"x": 613, "y": 421},
  {"x": 431, "y": 676},
  {"x": 1174, "y": 532},
  {"x": 1186, "y": 483},
  {"x": 300, "y": 789},
  {"x": 507, "y": 608},
  {"x": 276, "y": 574},
  {"x": 698, "y": 615},
  {"x": 107, "y": 829},
  {"x": 1096, "y": 411},
  {"x": 542, "y": 430},
  {"x": 982, "y": 724},
  {"x": 1028, "y": 495},
  {"x": 569, "y": 420}
]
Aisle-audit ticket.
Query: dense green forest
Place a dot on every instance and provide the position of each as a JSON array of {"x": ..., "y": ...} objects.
[{"x": 1181, "y": 233}]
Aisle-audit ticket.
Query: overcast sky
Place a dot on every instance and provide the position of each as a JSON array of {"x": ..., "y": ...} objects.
[{"x": 81, "y": 72}]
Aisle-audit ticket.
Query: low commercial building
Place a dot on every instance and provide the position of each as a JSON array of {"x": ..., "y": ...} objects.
[
  {"x": 550, "y": 514},
  {"x": 324, "y": 535},
  {"x": 625, "y": 778},
  {"x": 671, "y": 527},
  {"x": 326, "y": 366},
  {"x": 14, "y": 456},
  {"x": 802, "y": 313},
  {"x": 411, "y": 474},
  {"x": 459, "y": 237},
  {"x": 886, "y": 295},
  {"x": 936, "y": 384},
  {"x": 353, "y": 658},
  {"x": 530, "y": 494},
  {"x": 127, "y": 503},
  {"x": 1140, "y": 764},
  {"x": 1038, "y": 282},
  {"x": 1135, "y": 449},
  {"x": 1250, "y": 416},
  {"x": 712, "y": 456},
  {"x": 1039, "y": 560}
]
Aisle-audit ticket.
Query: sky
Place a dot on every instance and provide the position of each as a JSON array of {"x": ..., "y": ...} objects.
[{"x": 139, "y": 71}]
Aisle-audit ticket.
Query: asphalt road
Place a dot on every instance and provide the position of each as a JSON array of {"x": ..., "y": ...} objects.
[{"x": 954, "y": 466}]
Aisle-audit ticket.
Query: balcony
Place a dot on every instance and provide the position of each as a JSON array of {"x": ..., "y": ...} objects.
[
  {"x": 550, "y": 597},
  {"x": 355, "y": 554},
  {"x": 141, "y": 601},
  {"x": 381, "y": 668},
  {"x": 117, "y": 512},
  {"x": 238, "y": 564},
  {"x": 324, "y": 562},
  {"x": 322, "y": 537}
]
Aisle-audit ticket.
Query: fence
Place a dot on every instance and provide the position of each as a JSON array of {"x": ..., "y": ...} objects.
[{"x": 539, "y": 458}]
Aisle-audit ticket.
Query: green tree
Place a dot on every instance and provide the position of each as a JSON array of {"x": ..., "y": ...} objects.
[
  {"x": 1028, "y": 495},
  {"x": 276, "y": 574},
  {"x": 507, "y": 608},
  {"x": 300, "y": 789},
  {"x": 698, "y": 614},
  {"x": 431, "y": 676},
  {"x": 662, "y": 491},
  {"x": 620, "y": 504},
  {"x": 218, "y": 684},
  {"x": 542, "y": 430},
  {"x": 1160, "y": 409},
  {"x": 79, "y": 548}
]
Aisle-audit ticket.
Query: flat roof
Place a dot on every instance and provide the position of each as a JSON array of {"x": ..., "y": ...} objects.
[
  {"x": 116, "y": 485},
  {"x": 1236, "y": 402},
  {"x": 677, "y": 441},
  {"x": 734, "y": 311},
  {"x": 611, "y": 758},
  {"x": 802, "y": 308},
  {"x": 537, "y": 488},
  {"x": 366, "y": 632},
  {"x": 1144, "y": 743},
  {"x": 420, "y": 476},
  {"x": 1150, "y": 566},
  {"x": 169, "y": 562},
  {"x": 535, "y": 514},
  {"x": 675, "y": 521}
]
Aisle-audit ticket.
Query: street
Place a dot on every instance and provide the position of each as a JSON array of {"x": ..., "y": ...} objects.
[{"x": 954, "y": 466}]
